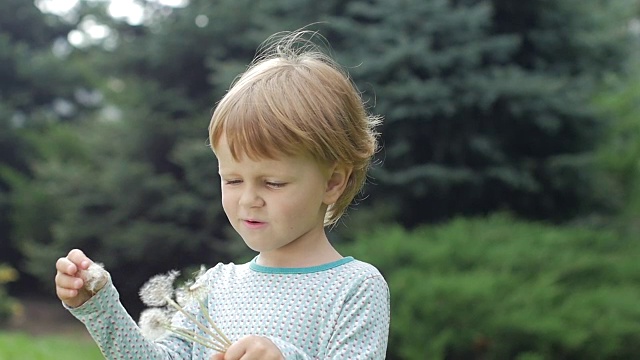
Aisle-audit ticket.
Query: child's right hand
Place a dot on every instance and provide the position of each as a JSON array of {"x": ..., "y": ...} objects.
[{"x": 69, "y": 285}]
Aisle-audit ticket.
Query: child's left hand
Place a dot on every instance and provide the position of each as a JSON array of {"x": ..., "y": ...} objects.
[{"x": 251, "y": 347}]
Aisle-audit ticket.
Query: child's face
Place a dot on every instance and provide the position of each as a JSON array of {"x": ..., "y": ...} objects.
[{"x": 277, "y": 206}]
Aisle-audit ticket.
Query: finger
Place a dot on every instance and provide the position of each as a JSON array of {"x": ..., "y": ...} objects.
[
  {"x": 66, "y": 294},
  {"x": 68, "y": 282},
  {"x": 252, "y": 348},
  {"x": 79, "y": 258},
  {"x": 65, "y": 266},
  {"x": 67, "y": 287},
  {"x": 236, "y": 351},
  {"x": 217, "y": 356}
]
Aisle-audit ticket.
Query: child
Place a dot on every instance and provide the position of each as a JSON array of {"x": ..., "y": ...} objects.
[{"x": 293, "y": 143}]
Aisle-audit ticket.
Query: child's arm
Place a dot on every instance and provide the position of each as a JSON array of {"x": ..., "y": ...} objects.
[
  {"x": 362, "y": 331},
  {"x": 112, "y": 328}
]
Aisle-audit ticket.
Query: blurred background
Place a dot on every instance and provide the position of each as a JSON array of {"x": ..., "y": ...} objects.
[{"x": 503, "y": 209}]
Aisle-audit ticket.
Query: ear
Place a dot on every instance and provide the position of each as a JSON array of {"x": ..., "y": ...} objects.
[{"x": 337, "y": 182}]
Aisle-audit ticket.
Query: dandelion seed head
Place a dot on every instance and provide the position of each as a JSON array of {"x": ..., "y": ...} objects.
[
  {"x": 182, "y": 298},
  {"x": 153, "y": 323},
  {"x": 195, "y": 289},
  {"x": 158, "y": 289},
  {"x": 158, "y": 293},
  {"x": 201, "y": 271},
  {"x": 95, "y": 277}
]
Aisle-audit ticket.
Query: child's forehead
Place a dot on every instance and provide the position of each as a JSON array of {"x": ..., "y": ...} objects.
[
  {"x": 281, "y": 167},
  {"x": 241, "y": 147},
  {"x": 228, "y": 154}
]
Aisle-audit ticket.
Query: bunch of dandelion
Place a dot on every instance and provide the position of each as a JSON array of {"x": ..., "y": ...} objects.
[{"x": 158, "y": 293}]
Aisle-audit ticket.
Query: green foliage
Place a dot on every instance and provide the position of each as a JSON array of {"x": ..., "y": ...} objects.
[
  {"x": 620, "y": 148},
  {"x": 499, "y": 288},
  {"x": 38, "y": 85},
  {"x": 487, "y": 103},
  {"x": 25, "y": 347}
]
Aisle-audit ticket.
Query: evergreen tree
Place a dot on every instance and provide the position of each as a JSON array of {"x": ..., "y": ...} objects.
[
  {"x": 487, "y": 104},
  {"x": 37, "y": 87}
]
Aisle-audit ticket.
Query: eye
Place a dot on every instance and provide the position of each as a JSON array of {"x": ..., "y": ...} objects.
[
  {"x": 275, "y": 185},
  {"x": 232, "y": 182}
]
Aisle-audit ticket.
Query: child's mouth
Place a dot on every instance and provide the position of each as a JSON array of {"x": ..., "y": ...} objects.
[{"x": 253, "y": 223}]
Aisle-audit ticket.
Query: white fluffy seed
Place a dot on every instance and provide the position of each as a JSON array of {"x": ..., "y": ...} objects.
[{"x": 95, "y": 277}]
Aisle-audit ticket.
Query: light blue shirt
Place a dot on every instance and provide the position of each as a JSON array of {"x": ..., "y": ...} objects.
[{"x": 338, "y": 310}]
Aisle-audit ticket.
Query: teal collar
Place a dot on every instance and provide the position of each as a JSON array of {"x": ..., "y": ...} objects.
[{"x": 253, "y": 265}]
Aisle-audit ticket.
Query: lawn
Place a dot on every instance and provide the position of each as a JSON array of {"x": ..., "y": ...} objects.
[{"x": 20, "y": 346}]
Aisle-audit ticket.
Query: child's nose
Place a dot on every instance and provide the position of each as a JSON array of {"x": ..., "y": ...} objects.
[{"x": 250, "y": 197}]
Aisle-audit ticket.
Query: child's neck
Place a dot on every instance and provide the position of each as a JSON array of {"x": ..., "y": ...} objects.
[{"x": 300, "y": 258}]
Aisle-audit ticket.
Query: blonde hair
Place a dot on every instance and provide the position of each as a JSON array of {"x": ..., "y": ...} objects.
[{"x": 294, "y": 99}]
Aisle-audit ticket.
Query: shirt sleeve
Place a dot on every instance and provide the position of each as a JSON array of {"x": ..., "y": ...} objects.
[
  {"x": 118, "y": 335},
  {"x": 362, "y": 329}
]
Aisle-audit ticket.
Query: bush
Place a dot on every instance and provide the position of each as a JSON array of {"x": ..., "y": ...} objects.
[{"x": 499, "y": 288}]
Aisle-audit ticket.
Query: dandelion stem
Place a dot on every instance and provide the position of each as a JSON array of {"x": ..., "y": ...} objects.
[
  {"x": 196, "y": 322},
  {"x": 192, "y": 336},
  {"x": 205, "y": 311}
]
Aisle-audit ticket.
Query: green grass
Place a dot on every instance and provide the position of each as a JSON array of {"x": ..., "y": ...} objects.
[{"x": 20, "y": 346}]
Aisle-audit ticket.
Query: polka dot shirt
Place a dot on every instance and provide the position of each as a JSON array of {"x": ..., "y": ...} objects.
[{"x": 338, "y": 310}]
